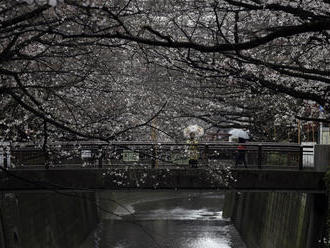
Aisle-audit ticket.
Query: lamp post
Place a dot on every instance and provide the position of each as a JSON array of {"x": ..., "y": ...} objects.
[
  {"x": 299, "y": 132},
  {"x": 321, "y": 125}
]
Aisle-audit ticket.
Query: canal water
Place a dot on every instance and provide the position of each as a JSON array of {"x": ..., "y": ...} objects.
[{"x": 162, "y": 220}]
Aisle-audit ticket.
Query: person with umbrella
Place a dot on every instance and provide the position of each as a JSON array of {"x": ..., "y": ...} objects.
[
  {"x": 192, "y": 150},
  {"x": 241, "y": 149},
  {"x": 192, "y": 143}
]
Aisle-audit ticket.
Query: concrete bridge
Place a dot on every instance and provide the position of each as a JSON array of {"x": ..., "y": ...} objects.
[{"x": 271, "y": 167}]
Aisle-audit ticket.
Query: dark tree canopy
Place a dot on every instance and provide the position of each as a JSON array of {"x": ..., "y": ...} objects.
[{"x": 80, "y": 66}]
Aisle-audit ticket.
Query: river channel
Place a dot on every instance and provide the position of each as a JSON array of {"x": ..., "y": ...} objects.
[{"x": 162, "y": 220}]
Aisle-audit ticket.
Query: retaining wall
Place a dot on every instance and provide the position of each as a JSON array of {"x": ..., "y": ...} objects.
[
  {"x": 46, "y": 220},
  {"x": 278, "y": 220}
]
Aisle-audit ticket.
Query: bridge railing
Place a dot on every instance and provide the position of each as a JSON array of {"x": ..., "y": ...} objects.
[
  {"x": 151, "y": 154},
  {"x": 263, "y": 154}
]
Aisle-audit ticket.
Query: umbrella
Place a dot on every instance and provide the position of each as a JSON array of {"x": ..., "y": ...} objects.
[
  {"x": 239, "y": 133},
  {"x": 199, "y": 131}
]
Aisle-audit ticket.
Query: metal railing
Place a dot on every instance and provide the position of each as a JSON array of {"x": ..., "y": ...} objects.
[{"x": 151, "y": 154}]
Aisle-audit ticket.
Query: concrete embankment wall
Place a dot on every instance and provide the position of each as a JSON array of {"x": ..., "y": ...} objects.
[
  {"x": 46, "y": 220},
  {"x": 278, "y": 220}
]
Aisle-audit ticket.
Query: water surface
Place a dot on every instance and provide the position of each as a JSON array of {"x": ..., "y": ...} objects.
[{"x": 164, "y": 219}]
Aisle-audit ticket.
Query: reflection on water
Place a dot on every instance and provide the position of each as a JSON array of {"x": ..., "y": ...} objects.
[
  {"x": 180, "y": 214},
  {"x": 169, "y": 220}
]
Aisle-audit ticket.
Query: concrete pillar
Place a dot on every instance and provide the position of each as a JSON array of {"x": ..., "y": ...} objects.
[{"x": 321, "y": 157}]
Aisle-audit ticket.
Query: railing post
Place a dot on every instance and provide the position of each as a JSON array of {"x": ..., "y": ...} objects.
[
  {"x": 301, "y": 157},
  {"x": 206, "y": 154},
  {"x": 154, "y": 156},
  {"x": 2, "y": 157},
  {"x": 100, "y": 156},
  {"x": 47, "y": 158},
  {"x": 8, "y": 155},
  {"x": 259, "y": 156},
  {"x": 5, "y": 158}
]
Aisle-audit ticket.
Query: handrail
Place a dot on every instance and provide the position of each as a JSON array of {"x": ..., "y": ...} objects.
[{"x": 30, "y": 144}]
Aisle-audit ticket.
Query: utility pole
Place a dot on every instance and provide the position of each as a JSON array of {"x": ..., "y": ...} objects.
[
  {"x": 321, "y": 133},
  {"x": 154, "y": 139},
  {"x": 321, "y": 125},
  {"x": 298, "y": 131}
]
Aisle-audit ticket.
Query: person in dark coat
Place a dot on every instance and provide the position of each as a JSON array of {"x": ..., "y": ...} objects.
[{"x": 240, "y": 153}]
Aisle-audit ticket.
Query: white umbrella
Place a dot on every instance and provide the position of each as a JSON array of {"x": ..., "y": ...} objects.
[
  {"x": 199, "y": 131},
  {"x": 239, "y": 133}
]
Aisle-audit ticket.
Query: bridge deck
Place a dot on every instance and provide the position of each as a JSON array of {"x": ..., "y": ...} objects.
[{"x": 162, "y": 178}]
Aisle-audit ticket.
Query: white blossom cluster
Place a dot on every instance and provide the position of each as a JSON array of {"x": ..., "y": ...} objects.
[{"x": 52, "y": 3}]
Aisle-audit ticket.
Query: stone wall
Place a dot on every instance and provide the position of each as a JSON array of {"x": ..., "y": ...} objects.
[
  {"x": 278, "y": 220},
  {"x": 52, "y": 220}
]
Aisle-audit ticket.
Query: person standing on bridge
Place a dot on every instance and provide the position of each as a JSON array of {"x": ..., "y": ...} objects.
[
  {"x": 240, "y": 153},
  {"x": 192, "y": 150}
]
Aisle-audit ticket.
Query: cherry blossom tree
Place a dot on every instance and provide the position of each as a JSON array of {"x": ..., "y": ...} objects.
[
  {"x": 57, "y": 89},
  {"x": 229, "y": 57}
]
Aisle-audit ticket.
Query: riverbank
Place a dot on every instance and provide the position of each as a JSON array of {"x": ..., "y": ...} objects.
[
  {"x": 52, "y": 220},
  {"x": 278, "y": 220}
]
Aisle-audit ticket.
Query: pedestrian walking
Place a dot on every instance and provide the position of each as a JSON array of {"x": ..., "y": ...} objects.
[
  {"x": 241, "y": 153},
  {"x": 192, "y": 150}
]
